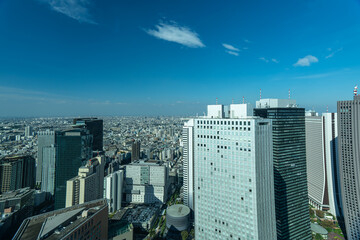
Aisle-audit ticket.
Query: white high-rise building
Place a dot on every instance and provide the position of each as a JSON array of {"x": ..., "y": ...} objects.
[
  {"x": 113, "y": 189},
  {"x": 88, "y": 185},
  {"x": 322, "y": 162},
  {"x": 188, "y": 163},
  {"x": 233, "y": 174}
]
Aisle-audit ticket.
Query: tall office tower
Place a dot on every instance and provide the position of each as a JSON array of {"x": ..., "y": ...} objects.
[
  {"x": 349, "y": 163},
  {"x": 113, "y": 189},
  {"x": 95, "y": 127},
  {"x": 17, "y": 172},
  {"x": 233, "y": 175},
  {"x": 330, "y": 136},
  {"x": 146, "y": 182},
  {"x": 45, "y": 139},
  {"x": 135, "y": 150},
  {"x": 48, "y": 169},
  {"x": 28, "y": 131},
  {"x": 73, "y": 149},
  {"x": 321, "y": 158},
  {"x": 88, "y": 185},
  {"x": 315, "y": 162},
  {"x": 290, "y": 178},
  {"x": 188, "y": 163}
]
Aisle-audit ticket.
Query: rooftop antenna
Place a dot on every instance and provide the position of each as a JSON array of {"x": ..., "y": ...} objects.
[
  {"x": 327, "y": 108},
  {"x": 243, "y": 99},
  {"x": 289, "y": 93},
  {"x": 216, "y": 101},
  {"x": 232, "y": 102},
  {"x": 355, "y": 90},
  {"x": 260, "y": 93}
]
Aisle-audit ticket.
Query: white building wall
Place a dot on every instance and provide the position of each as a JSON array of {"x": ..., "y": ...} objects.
[
  {"x": 113, "y": 189},
  {"x": 233, "y": 173},
  {"x": 188, "y": 163}
]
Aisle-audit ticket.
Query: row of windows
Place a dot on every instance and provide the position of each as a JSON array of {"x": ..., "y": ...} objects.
[{"x": 224, "y": 122}]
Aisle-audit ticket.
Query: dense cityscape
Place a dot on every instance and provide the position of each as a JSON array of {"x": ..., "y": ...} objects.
[
  {"x": 278, "y": 171},
  {"x": 179, "y": 120}
]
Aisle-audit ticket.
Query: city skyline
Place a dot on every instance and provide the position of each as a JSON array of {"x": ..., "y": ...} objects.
[{"x": 81, "y": 58}]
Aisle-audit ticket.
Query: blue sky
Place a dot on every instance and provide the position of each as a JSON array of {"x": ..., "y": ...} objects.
[{"x": 92, "y": 57}]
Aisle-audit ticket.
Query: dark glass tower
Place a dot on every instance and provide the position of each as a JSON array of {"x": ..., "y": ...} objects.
[
  {"x": 73, "y": 149},
  {"x": 290, "y": 179},
  {"x": 95, "y": 127},
  {"x": 135, "y": 151}
]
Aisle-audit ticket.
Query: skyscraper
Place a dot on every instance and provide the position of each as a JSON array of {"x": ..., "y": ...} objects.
[
  {"x": 188, "y": 163},
  {"x": 28, "y": 131},
  {"x": 45, "y": 139},
  {"x": 16, "y": 172},
  {"x": 322, "y": 164},
  {"x": 113, "y": 190},
  {"x": 135, "y": 150},
  {"x": 95, "y": 127},
  {"x": 289, "y": 154},
  {"x": 233, "y": 174},
  {"x": 73, "y": 148},
  {"x": 349, "y": 163},
  {"x": 88, "y": 185}
]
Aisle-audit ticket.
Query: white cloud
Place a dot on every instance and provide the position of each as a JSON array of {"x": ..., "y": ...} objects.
[
  {"x": 247, "y": 41},
  {"x": 230, "y": 47},
  {"x": 333, "y": 53},
  {"x": 75, "y": 9},
  {"x": 274, "y": 60},
  {"x": 306, "y": 61},
  {"x": 263, "y": 59},
  {"x": 233, "y": 53},
  {"x": 175, "y": 33}
]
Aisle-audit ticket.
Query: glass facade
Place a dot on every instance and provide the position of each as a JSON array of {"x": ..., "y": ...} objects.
[{"x": 290, "y": 179}]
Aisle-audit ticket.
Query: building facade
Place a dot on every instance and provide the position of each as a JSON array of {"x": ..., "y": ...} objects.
[
  {"x": 233, "y": 175},
  {"x": 88, "y": 185},
  {"x": 73, "y": 149},
  {"x": 95, "y": 127},
  {"x": 113, "y": 190},
  {"x": 46, "y": 140},
  {"x": 17, "y": 172},
  {"x": 146, "y": 182},
  {"x": 188, "y": 163},
  {"x": 290, "y": 177},
  {"x": 348, "y": 117},
  {"x": 135, "y": 151}
]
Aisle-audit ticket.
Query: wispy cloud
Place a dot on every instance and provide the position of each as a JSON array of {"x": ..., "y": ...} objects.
[
  {"x": 174, "y": 33},
  {"x": 263, "y": 59},
  {"x": 306, "y": 61},
  {"x": 274, "y": 60},
  {"x": 230, "y": 49},
  {"x": 75, "y": 9},
  {"x": 247, "y": 40},
  {"x": 333, "y": 53},
  {"x": 233, "y": 53}
]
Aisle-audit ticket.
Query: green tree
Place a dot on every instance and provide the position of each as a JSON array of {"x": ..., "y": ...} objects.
[
  {"x": 320, "y": 213},
  {"x": 327, "y": 224},
  {"x": 318, "y": 237},
  {"x": 184, "y": 235}
]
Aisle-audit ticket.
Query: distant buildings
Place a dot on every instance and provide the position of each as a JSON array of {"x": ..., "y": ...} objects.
[
  {"x": 233, "y": 174},
  {"x": 95, "y": 127},
  {"x": 135, "y": 151},
  {"x": 45, "y": 156},
  {"x": 15, "y": 206},
  {"x": 73, "y": 149},
  {"x": 84, "y": 221},
  {"x": 88, "y": 185},
  {"x": 289, "y": 155},
  {"x": 113, "y": 190},
  {"x": 28, "y": 131},
  {"x": 146, "y": 182},
  {"x": 349, "y": 165},
  {"x": 17, "y": 172}
]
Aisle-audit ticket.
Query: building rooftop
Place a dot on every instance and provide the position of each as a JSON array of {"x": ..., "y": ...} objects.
[
  {"x": 318, "y": 229},
  {"x": 15, "y": 194},
  {"x": 56, "y": 224},
  {"x": 178, "y": 210}
]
